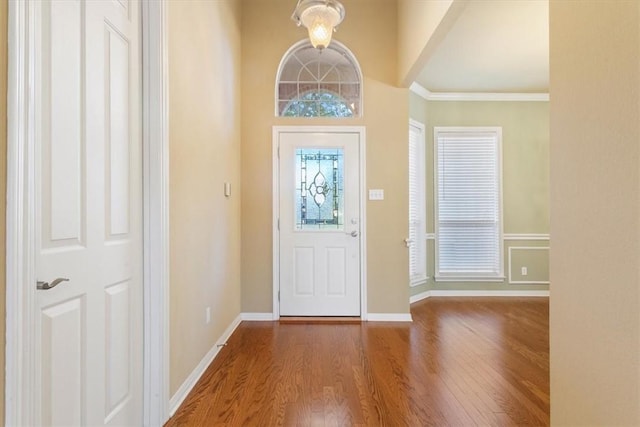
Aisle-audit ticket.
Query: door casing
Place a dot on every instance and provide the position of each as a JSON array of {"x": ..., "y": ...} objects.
[
  {"x": 20, "y": 359},
  {"x": 277, "y": 130}
]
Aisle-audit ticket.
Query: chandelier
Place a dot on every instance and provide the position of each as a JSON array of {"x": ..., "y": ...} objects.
[{"x": 320, "y": 17}]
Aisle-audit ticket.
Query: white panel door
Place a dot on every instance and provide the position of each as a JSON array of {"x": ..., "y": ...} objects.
[
  {"x": 89, "y": 216},
  {"x": 319, "y": 224}
]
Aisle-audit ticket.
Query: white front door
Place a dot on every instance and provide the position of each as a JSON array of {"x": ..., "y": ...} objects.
[
  {"x": 89, "y": 215},
  {"x": 319, "y": 182}
]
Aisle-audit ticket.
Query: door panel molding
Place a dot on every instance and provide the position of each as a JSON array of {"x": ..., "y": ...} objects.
[
  {"x": 276, "y": 131},
  {"x": 20, "y": 380}
]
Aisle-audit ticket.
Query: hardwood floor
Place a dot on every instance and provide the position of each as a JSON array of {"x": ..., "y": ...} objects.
[{"x": 461, "y": 362}]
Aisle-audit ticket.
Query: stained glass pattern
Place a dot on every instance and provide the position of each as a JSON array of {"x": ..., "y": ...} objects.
[{"x": 319, "y": 189}]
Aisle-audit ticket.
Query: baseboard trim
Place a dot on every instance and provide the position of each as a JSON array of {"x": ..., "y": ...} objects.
[
  {"x": 437, "y": 293},
  {"x": 260, "y": 317},
  {"x": 389, "y": 317},
  {"x": 192, "y": 379},
  {"x": 419, "y": 297}
]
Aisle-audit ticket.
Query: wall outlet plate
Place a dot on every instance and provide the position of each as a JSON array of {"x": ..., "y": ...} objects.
[{"x": 376, "y": 194}]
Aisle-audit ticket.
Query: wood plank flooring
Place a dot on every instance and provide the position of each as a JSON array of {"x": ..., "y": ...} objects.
[{"x": 461, "y": 362}]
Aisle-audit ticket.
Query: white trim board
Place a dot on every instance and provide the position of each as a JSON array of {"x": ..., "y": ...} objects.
[
  {"x": 155, "y": 134},
  {"x": 524, "y": 236},
  {"x": 259, "y": 317},
  {"x": 372, "y": 317},
  {"x": 188, "y": 384},
  {"x": 477, "y": 96},
  {"x": 20, "y": 221},
  {"x": 275, "y": 222},
  {"x": 389, "y": 317},
  {"x": 439, "y": 293}
]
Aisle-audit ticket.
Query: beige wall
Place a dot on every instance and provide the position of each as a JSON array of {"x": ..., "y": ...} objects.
[
  {"x": 369, "y": 31},
  {"x": 422, "y": 24},
  {"x": 3, "y": 184},
  {"x": 595, "y": 213},
  {"x": 525, "y": 183},
  {"x": 204, "y": 132}
]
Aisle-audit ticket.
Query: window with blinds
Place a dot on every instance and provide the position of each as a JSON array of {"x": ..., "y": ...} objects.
[
  {"x": 468, "y": 203},
  {"x": 417, "y": 221}
]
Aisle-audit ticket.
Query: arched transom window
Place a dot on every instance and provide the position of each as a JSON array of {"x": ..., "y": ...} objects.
[{"x": 314, "y": 83}]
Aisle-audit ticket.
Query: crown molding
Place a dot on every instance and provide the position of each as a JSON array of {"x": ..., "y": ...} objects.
[
  {"x": 476, "y": 96},
  {"x": 420, "y": 90}
]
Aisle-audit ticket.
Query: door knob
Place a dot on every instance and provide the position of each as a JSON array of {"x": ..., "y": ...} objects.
[
  {"x": 46, "y": 285},
  {"x": 408, "y": 242},
  {"x": 354, "y": 233}
]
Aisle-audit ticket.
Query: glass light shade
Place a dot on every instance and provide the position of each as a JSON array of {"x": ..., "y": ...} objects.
[
  {"x": 320, "y": 17},
  {"x": 320, "y": 34}
]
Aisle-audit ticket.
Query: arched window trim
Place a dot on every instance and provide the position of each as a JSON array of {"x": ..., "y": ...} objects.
[{"x": 303, "y": 43}]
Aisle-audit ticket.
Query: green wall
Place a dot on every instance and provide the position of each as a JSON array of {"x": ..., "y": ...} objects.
[{"x": 525, "y": 184}]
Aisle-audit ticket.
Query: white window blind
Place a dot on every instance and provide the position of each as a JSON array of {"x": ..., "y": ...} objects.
[
  {"x": 468, "y": 197},
  {"x": 417, "y": 221}
]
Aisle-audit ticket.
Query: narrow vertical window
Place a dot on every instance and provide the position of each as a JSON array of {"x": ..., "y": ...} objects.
[
  {"x": 468, "y": 203},
  {"x": 417, "y": 209}
]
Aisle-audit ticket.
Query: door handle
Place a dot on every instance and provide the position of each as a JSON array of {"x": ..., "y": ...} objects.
[
  {"x": 46, "y": 285},
  {"x": 354, "y": 233},
  {"x": 408, "y": 242}
]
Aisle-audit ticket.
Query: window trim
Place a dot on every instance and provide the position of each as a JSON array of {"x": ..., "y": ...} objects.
[
  {"x": 466, "y": 276},
  {"x": 421, "y": 244}
]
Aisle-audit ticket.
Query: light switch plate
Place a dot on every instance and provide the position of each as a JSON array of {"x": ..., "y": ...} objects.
[{"x": 376, "y": 194}]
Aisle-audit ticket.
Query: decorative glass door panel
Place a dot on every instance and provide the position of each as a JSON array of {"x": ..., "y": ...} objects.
[{"x": 319, "y": 189}]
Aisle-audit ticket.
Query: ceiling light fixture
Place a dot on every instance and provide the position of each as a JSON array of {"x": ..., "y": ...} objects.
[{"x": 321, "y": 17}]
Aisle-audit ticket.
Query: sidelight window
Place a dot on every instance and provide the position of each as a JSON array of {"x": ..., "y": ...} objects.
[{"x": 417, "y": 207}]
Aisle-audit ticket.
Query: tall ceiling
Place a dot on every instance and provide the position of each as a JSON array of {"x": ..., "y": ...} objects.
[{"x": 494, "y": 46}]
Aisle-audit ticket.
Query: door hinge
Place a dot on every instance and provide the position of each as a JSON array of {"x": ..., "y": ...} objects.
[
  {"x": 278, "y": 296},
  {"x": 278, "y": 151},
  {"x": 278, "y": 224}
]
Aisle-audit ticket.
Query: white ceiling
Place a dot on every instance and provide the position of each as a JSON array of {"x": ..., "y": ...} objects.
[{"x": 494, "y": 46}]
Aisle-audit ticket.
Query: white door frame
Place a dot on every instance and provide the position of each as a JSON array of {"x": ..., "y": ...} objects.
[
  {"x": 20, "y": 360},
  {"x": 277, "y": 130},
  {"x": 155, "y": 181}
]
